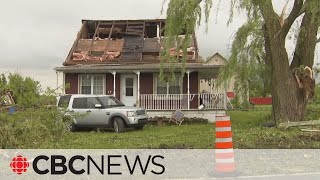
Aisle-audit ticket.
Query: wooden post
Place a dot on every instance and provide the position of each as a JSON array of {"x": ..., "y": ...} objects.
[
  {"x": 188, "y": 73},
  {"x": 225, "y": 97},
  {"x": 93, "y": 39},
  {"x": 114, "y": 83},
  {"x": 138, "y": 73},
  {"x": 63, "y": 83},
  {"x": 109, "y": 39}
]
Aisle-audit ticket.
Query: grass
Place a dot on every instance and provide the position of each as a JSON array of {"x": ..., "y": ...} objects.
[
  {"x": 246, "y": 127},
  {"x": 186, "y": 136}
]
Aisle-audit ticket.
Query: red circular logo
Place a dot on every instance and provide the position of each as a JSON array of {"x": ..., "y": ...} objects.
[{"x": 19, "y": 164}]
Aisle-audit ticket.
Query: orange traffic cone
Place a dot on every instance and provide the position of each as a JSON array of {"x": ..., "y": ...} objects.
[{"x": 225, "y": 164}]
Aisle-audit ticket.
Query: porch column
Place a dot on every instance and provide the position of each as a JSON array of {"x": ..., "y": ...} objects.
[
  {"x": 63, "y": 83},
  {"x": 225, "y": 96},
  {"x": 138, "y": 89},
  {"x": 57, "y": 85},
  {"x": 188, "y": 73},
  {"x": 114, "y": 83}
]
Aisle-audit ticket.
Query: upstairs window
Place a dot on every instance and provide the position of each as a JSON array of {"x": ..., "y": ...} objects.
[{"x": 92, "y": 84}]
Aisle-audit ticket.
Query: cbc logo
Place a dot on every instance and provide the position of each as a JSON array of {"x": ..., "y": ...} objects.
[{"x": 19, "y": 165}]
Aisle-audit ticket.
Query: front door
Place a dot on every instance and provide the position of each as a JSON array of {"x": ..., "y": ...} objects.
[{"x": 129, "y": 89}]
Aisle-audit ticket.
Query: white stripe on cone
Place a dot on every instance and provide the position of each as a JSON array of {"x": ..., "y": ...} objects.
[
  {"x": 224, "y": 150},
  {"x": 222, "y": 118},
  {"x": 229, "y": 160},
  {"x": 222, "y": 129},
  {"x": 223, "y": 139}
]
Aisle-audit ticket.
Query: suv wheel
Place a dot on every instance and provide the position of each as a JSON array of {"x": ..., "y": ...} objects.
[
  {"x": 71, "y": 127},
  {"x": 118, "y": 125}
]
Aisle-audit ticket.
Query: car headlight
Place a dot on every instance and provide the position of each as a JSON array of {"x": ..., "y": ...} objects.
[{"x": 131, "y": 113}]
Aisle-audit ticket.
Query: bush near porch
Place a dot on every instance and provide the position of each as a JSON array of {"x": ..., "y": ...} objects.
[{"x": 43, "y": 128}]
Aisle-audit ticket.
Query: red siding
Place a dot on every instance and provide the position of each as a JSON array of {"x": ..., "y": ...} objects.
[
  {"x": 71, "y": 81},
  {"x": 146, "y": 83},
  {"x": 194, "y": 88},
  {"x": 117, "y": 86},
  {"x": 109, "y": 84},
  {"x": 194, "y": 84}
]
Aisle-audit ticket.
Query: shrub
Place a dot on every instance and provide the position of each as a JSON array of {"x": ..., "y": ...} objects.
[{"x": 32, "y": 128}]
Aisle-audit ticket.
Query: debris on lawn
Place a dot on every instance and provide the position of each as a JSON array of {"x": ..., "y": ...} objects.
[
  {"x": 162, "y": 121},
  {"x": 7, "y": 102},
  {"x": 269, "y": 124},
  {"x": 310, "y": 130},
  {"x": 6, "y": 99},
  {"x": 299, "y": 123},
  {"x": 306, "y": 81}
]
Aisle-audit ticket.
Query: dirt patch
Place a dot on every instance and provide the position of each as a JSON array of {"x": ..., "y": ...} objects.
[{"x": 310, "y": 136}]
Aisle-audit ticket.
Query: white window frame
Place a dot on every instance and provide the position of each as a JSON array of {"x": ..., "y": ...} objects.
[
  {"x": 155, "y": 84},
  {"x": 92, "y": 81}
]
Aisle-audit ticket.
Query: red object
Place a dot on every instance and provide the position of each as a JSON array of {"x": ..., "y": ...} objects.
[
  {"x": 230, "y": 94},
  {"x": 261, "y": 100},
  {"x": 19, "y": 164}
]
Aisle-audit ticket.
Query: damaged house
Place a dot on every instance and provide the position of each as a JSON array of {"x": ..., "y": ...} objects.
[{"x": 122, "y": 58}]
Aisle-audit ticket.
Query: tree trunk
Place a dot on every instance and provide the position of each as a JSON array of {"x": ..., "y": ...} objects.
[{"x": 289, "y": 100}]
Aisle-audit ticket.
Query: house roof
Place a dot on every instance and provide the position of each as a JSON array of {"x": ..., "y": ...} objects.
[
  {"x": 215, "y": 55},
  {"x": 123, "y": 42},
  {"x": 124, "y": 20}
]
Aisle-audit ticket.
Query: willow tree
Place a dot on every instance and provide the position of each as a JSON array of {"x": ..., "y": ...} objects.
[{"x": 262, "y": 38}]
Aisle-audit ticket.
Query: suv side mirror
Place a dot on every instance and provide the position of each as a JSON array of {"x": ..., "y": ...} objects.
[{"x": 97, "y": 106}]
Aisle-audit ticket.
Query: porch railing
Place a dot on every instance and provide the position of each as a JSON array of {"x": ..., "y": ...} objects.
[{"x": 180, "y": 101}]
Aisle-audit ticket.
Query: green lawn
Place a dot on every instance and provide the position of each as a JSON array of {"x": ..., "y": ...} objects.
[
  {"x": 36, "y": 129},
  {"x": 247, "y": 133}
]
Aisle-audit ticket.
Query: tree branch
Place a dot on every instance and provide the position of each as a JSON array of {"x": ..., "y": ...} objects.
[
  {"x": 295, "y": 12},
  {"x": 307, "y": 39},
  {"x": 267, "y": 11}
]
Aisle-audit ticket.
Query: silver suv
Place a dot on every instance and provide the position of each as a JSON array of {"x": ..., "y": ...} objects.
[{"x": 101, "y": 111}]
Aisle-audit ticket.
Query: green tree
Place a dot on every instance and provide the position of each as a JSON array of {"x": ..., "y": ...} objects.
[
  {"x": 3, "y": 83},
  {"x": 262, "y": 37},
  {"x": 25, "y": 90}
]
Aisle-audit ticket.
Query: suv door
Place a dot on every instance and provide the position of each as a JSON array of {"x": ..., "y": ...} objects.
[{"x": 85, "y": 112}]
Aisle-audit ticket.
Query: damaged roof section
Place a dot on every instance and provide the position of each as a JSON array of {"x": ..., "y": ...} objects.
[{"x": 123, "y": 41}]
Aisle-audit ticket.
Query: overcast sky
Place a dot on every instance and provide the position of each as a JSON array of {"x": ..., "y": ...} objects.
[{"x": 36, "y": 35}]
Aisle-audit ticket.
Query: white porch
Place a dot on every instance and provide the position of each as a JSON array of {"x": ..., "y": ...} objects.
[
  {"x": 202, "y": 114},
  {"x": 183, "y": 101},
  {"x": 140, "y": 83}
]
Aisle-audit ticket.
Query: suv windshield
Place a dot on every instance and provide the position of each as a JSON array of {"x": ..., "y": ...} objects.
[
  {"x": 110, "y": 101},
  {"x": 64, "y": 101}
]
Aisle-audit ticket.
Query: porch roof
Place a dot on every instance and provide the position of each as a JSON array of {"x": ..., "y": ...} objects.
[{"x": 205, "y": 70}]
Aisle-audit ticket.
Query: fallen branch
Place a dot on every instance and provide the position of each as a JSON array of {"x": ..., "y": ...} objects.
[
  {"x": 300, "y": 123},
  {"x": 310, "y": 130}
]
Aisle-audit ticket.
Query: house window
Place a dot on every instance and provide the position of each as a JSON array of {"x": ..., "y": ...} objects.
[
  {"x": 161, "y": 87},
  {"x": 129, "y": 86},
  {"x": 170, "y": 87},
  {"x": 92, "y": 84}
]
